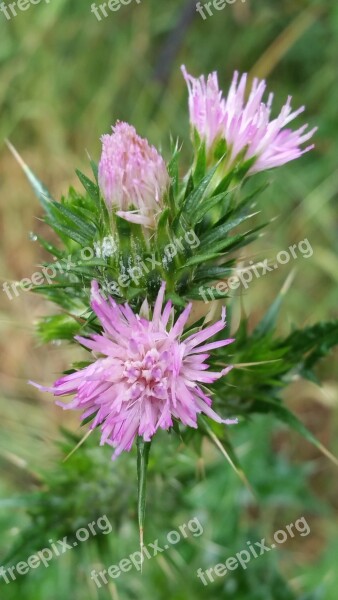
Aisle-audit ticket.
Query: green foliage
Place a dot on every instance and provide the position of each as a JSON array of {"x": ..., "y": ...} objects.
[
  {"x": 199, "y": 223},
  {"x": 264, "y": 365},
  {"x": 88, "y": 485}
]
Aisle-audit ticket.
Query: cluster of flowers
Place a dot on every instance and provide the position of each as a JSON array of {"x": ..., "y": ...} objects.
[{"x": 145, "y": 374}]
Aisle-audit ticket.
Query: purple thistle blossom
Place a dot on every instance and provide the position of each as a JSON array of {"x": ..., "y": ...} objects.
[
  {"x": 145, "y": 376},
  {"x": 132, "y": 174},
  {"x": 245, "y": 126},
  {"x": 206, "y": 106}
]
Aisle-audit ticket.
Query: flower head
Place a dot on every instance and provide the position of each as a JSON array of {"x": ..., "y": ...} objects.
[
  {"x": 206, "y": 106},
  {"x": 245, "y": 125},
  {"x": 132, "y": 175},
  {"x": 146, "y": 375}
]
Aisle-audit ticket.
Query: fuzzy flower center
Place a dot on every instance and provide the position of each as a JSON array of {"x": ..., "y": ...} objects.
[{"x": 148, "y": 375}]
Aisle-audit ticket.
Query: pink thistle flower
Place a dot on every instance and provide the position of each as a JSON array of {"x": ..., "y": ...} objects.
[
  {"x": 133, "y": 176},
  {"x": 146, "y": 375},
  {"x": 245, "y": 126},
  {"x": 206, "y": 106}
]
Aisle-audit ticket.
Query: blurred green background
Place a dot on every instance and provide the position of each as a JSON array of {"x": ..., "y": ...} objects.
[{"x": 65, "y": 79}]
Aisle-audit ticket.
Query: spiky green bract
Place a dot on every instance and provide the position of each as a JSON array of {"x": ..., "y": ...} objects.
[{"x": 205, "y": 220}]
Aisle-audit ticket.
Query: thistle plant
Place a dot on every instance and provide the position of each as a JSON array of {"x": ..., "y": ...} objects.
[{"x": 136, "y": 248}]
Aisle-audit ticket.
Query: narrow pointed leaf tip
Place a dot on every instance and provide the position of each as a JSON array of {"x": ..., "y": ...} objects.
[{"x": 40, "y": 190}]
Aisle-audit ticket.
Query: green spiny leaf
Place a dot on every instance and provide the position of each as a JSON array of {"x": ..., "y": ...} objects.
[{"x": 90, "y": 187}]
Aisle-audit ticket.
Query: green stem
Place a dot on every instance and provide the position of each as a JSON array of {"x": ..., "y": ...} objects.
[{"x": 143, "y": 450}]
